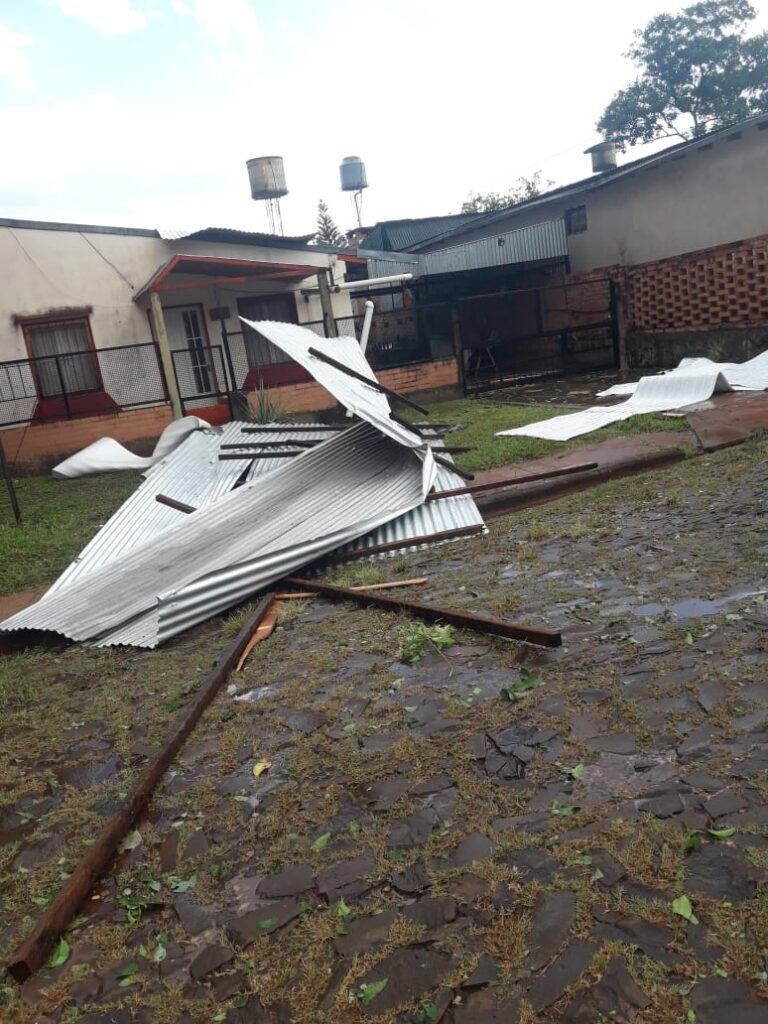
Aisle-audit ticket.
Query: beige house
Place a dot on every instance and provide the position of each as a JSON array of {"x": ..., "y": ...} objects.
[{"x": 81, "y": 305}]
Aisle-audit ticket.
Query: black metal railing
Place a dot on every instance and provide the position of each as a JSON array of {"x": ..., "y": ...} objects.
[
  {"x": 80, "y": 383},
  {"x": 201, "y": 375}
]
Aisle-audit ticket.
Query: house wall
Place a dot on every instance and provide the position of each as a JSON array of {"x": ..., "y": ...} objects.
[
  {"x": 58, "y": 269},
  {"x": 710, "y": 195}
]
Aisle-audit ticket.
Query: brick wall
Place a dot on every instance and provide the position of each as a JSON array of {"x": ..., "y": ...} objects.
[
  {"x": 38, "y": 447},
  {"x": 311, "y": 397},
  {"x": 726, "y": 286}
]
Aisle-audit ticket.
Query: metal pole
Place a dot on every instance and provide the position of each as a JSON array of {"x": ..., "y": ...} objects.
[
  {"x": 161, "y": 336},
  {"x": 63, "y": 389},
  {"x": 6, "y": 472},
  {"x": 329, "y": 322},
  {"x": 618, "y": 325},
  {"x": 458, "y": 350},
  {"x": 37, "y": 946}
]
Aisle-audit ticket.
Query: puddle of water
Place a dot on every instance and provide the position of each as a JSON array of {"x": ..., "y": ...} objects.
[{"x": 695, "y": 607}]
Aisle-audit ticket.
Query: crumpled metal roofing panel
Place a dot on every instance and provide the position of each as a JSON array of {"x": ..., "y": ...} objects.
[
  {"x": 363, "y": 400},
  {"x": 328, "y": 495},
  {"x": 424, "y": 520},
  {"x": 193, "y": 474}
]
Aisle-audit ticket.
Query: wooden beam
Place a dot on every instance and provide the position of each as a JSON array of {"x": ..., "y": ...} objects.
[{"x": 166, "y": 358}]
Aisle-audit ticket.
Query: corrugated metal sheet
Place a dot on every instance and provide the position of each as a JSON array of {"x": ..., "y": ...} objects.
[
  {"x": 194, "y": 475},
  {"x": 429, "y": 518},
  {"x": 362, "y": 399},
  {"x": 543, "y": 241},
  {"x": 399, "y": 235},
  {"x": 348, "y": 486}
]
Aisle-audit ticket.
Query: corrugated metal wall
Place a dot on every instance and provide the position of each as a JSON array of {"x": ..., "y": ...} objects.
[{"x": 544, "y": 241}]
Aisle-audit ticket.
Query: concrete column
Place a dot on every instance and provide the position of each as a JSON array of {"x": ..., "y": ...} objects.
[{"x": 161, "y": 336}]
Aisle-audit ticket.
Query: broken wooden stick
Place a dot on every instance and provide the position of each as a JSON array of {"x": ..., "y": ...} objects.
[
  {"x": 264, "y": 629},
  {"x": 362, "y": 586}
]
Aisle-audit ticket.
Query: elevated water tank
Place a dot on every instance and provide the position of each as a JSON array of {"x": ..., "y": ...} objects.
[
  {"x": 352, "y": 171},
  {"x": 603, "y": 156},
  {"x": 267, "y": 177}
]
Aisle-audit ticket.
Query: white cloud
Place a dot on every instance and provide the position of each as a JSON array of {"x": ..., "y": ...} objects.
[
  {"x": 14, "y": 60},
  {"x": 232, "y": 35},
  {"x": 112, "y": 17}
]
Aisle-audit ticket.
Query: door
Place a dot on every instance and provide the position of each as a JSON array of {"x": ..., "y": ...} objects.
[
  {"x": 266, "y": 363},
  {"x": 189, "y": 344}
]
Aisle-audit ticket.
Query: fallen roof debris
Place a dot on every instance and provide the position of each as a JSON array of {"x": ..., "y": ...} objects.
[
  {"x": 208, "y": 529},
  {"x": 694, "y": 380},
  {"x": 107, "y": 455}
]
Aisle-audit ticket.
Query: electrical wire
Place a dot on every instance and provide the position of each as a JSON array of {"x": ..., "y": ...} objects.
[{"x": 58, "y": 288}]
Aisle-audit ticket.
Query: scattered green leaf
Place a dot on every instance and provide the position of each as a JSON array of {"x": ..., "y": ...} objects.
[
  {"x": 682, "y": 906},
  {"x": 721, "y": 833},
  {"x": 321, "y": 842},
  {"x": 60, "y": 955}
]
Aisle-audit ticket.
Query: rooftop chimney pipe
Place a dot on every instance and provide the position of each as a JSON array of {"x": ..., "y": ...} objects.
[{"x": 603, "y": 156}]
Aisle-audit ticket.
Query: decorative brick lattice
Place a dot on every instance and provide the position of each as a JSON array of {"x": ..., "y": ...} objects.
[{"x": 725, "y": 286}]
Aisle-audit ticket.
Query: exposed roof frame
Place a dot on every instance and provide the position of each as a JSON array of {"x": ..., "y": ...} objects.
[{"x": 259, "y": 270}]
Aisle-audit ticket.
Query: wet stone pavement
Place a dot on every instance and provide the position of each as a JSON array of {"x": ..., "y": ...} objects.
[{"x": 491, "y": 834}]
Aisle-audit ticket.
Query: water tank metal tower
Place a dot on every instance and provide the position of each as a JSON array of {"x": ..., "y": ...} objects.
[
  {"x": 354, "y": 180},
  {"x": 267, "y": 177}
]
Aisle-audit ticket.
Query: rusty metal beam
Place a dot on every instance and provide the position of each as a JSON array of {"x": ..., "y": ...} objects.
[
  {"x": 447, "y": 464},
  {"x": 434, "y": 613},
  {"x": 267, "y": 453},
  {"x": 366, "y": 380},
  {"x": 180, "y": 506},
  {"x": 36, "y": 948},
  {"x": 497, "y": 485},
  {"x": 306, "y": 443}
]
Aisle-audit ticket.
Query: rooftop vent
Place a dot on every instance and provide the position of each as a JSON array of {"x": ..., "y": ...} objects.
[{"x": 603, "y": 156}]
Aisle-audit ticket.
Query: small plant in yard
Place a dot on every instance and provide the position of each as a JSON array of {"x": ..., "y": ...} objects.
[
  {"x": 267, "y": 409},
  {"x": 414, "y": 644},
  {"x": 520, "y": 687}
]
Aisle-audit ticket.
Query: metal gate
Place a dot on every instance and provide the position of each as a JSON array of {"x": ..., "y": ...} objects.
[{"x": 513, "y": 337}]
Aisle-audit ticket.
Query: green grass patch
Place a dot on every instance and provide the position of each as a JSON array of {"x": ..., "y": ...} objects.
[
  {"x": 58, "y": 518},
  {"x": 482, "y": 418}
]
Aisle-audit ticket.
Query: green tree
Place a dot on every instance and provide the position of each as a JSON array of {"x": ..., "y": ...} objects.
[
  {"x": 327, "y": 233},
  {"x": 524, "y": 188},
  {"x": 699, "y": 70}
]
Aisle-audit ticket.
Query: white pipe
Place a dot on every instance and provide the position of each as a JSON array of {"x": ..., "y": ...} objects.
[
  {"x": 365, "y": 331},
  {"x": 369, "y": 307},
  {"x": 347, "y": 286}
]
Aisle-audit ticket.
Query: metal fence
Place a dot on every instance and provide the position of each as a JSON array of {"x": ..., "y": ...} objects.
[
  {"x": 80, "y": 383},
  {"x": 201, "y": 375}
]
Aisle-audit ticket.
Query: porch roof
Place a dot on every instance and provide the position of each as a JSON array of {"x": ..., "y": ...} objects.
[{"x": 208, "y": 270}]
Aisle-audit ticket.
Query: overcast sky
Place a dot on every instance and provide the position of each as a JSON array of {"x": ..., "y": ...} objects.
[{"x": 143, "y": 112}]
